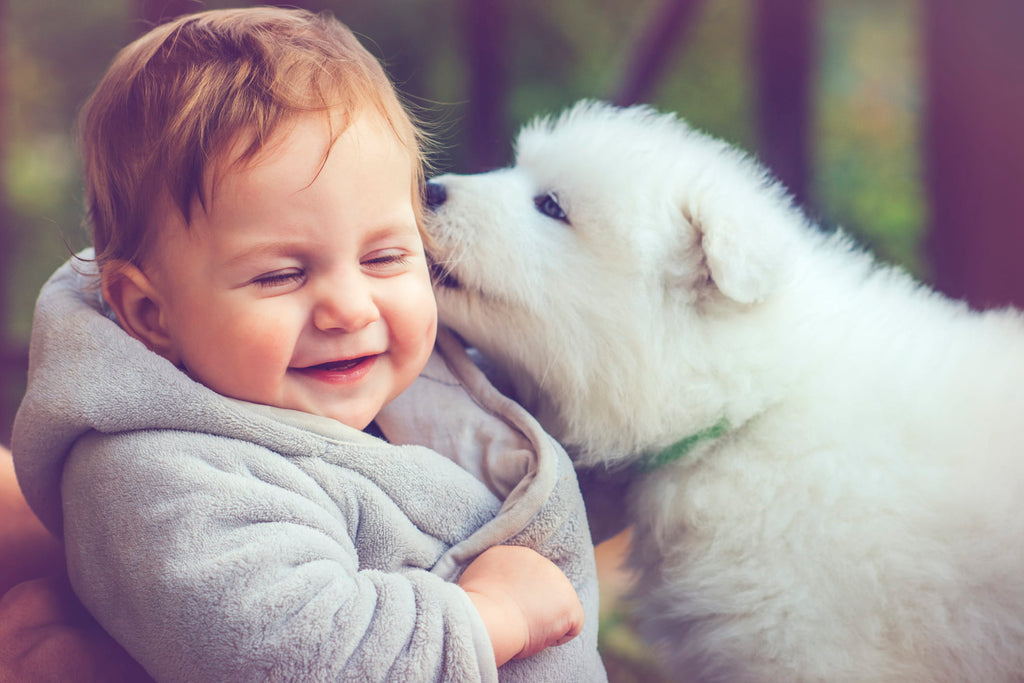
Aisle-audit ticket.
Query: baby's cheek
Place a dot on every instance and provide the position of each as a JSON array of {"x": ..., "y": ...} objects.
[{"x": 251, "y": 354}]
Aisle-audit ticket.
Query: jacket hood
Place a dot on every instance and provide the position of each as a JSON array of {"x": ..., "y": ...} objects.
[{"x": 86, "y": 374}]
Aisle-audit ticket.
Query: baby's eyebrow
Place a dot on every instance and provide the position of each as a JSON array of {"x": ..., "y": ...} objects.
[
  {"x": 390, "y": 228},
  {"x": 262, "y": 249}
]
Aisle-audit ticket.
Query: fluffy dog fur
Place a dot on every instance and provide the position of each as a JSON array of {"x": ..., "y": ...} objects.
[{"x": 861, "y": 517}]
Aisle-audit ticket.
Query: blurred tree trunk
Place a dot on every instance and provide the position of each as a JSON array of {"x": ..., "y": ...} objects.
[
  {"x": 312, "y": 5},
  {"x": 13, "y": 361},
  {"x": 155, "y": 12},
  {"x": 6, "y": 230},
  {"x": 785, "y": 54},
  {"x": 486, "y": 127},
  {"x": 653, "y": 50},
  {"x": 974, "y": 146}
]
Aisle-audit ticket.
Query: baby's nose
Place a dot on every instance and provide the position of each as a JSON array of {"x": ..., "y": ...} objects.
[{"x": 348, "y": 308}]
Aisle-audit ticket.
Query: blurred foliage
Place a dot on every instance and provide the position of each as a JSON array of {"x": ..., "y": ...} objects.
[
  {"x": 869, "y": 155},
  {"x": 866, "y": 174},
  {"x": 55, "y": 53}
]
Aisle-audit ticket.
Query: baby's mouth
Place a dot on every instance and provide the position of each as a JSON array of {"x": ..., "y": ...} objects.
[
  {"x": 341, "y": 364},
  {"x": 337, "y": 365}
]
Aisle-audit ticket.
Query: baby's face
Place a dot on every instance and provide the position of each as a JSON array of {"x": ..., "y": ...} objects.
[{"x": 304, "y": 287}]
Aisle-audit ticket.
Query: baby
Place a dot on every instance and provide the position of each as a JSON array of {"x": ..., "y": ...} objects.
[{"x": 237, "y": 418}]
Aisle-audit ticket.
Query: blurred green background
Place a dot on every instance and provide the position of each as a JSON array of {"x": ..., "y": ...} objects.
[
  {"x": 865, "y": 166},
  {"x": 865, "y": 162},
  {"x": 903, "y": 102}
]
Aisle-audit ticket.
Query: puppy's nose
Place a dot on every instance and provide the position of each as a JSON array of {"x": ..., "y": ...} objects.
[{"x": 436, "y": 195}]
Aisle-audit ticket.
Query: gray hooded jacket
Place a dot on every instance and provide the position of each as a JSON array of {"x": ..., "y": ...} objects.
[{"x": 220, "y": 540}]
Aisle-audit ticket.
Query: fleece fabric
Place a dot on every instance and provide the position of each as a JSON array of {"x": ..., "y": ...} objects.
[{"x": 220, "y": 540}]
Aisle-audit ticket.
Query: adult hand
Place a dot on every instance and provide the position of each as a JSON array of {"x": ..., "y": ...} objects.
[
  {"x": 27, "y": 549},
  {"x": 46, "y": 635}
]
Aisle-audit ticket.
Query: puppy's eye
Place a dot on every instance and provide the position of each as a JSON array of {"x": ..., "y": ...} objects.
[{"x": 548, "y": 205}]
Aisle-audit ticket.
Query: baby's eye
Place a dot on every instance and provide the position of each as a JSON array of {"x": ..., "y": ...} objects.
[
  {"x": 280, "y": 278},
  {"x": 548, "y": 205},
  {"x": 386, "y": 257}
]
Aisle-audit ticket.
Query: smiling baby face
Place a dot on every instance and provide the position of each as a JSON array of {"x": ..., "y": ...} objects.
[{"x": 302, "y": 283}]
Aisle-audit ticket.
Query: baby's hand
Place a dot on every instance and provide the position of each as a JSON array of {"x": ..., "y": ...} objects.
[{"x": 526, "y": 602}]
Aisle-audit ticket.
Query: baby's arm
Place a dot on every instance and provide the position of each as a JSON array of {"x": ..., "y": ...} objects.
[
  {"x": 526, "y": 602},
  {"x": 207, "y": 566}
]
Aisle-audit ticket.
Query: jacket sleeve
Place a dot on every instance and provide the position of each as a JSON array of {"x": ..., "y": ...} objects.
[{"x": 212, "y": 559}]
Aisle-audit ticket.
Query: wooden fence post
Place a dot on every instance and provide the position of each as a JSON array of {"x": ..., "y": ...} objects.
[
  {"x": 785, "y": 56},
  {"x": 487, "y": 126},
  {"x": 974, "y": 148},
  {"x": 653, "y": 50}
]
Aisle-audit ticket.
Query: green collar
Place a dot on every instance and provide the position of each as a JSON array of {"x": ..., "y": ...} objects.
[{"x": 682, "y": 447}]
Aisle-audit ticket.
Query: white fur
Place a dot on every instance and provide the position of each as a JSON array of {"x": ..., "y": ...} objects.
[{"x": 864, "y": 518}]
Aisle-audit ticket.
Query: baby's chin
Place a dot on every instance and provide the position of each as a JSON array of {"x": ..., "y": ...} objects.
[{"x": 356, "y": 419}]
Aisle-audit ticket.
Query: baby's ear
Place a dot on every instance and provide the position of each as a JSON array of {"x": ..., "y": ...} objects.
[{"x": 138, "y": 306}]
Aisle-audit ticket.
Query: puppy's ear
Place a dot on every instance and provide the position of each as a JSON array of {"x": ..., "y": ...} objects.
[
  {"x": 743, "y": 237},
  {"x": 741, "y": 266}
]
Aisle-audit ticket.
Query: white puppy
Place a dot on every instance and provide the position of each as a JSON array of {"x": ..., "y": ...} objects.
[{"x": 826, "y": 460}]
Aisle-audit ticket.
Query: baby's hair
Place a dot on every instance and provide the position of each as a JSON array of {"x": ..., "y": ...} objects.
[{"x": 174, "y": 101}]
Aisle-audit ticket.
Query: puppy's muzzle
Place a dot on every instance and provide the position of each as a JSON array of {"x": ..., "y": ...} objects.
[{"x": 435, "y": 195}]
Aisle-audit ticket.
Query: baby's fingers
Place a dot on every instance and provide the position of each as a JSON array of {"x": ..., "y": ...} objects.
[
  {"x": 570, "y": 634},
  {"x": 555, "y": 631}
]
